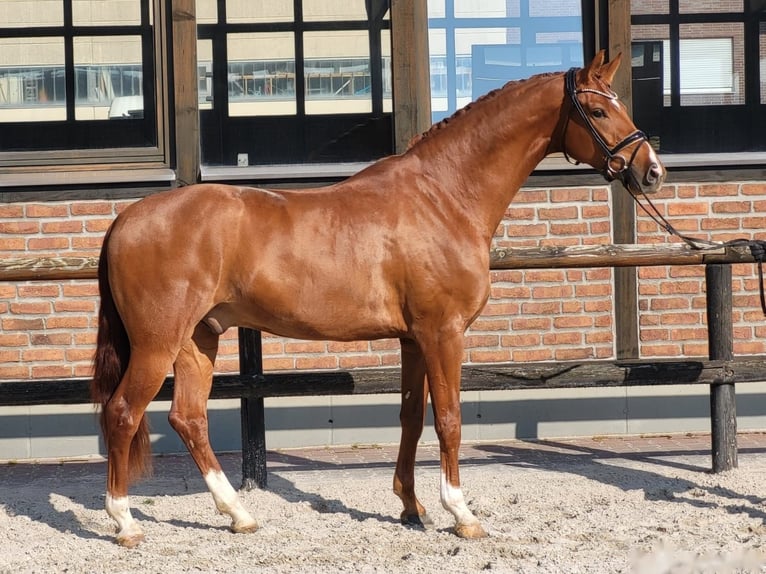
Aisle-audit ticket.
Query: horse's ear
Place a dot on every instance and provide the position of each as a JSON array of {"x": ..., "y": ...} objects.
[
  {"x": 608, "y": 70},
  {"x": 594, "y": 68}
]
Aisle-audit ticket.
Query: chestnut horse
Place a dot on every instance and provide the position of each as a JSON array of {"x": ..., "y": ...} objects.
[{"x": 401, "y": 249}]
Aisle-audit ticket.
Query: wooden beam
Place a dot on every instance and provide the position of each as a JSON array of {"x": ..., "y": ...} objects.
[
  {"x": 548, "y": 257},
  {"x": 499, "y": 376},
  {"x": 185, "y": 88},
  {"x": 410, "y": 70}
]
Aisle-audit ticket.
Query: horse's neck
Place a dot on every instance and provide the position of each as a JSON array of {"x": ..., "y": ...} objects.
[{"x": 482, "y": 160}]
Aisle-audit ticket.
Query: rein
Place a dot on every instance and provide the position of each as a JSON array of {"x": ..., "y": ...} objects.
[{"x": 617, "y": 168}]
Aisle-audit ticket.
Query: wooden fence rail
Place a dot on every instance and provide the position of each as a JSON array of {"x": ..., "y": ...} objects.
[{"x": 720, "y": 371}]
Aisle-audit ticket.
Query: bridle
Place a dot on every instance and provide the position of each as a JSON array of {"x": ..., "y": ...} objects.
[{"x": 615, "y": 166}]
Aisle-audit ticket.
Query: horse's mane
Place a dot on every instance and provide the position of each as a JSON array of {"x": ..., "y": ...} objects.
[{"x": 468, "y": 107}]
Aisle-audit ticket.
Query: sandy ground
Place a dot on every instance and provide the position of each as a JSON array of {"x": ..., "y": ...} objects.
[{"x": 547, "y": 507}]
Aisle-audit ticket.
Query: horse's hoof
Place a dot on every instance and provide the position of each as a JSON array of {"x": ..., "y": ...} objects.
[
  {"x": 244, "y": 527},
  {"x": 417, "y": 520},
  {"x": 470, "y": 531},
  {"x": 130, "y": 540}
]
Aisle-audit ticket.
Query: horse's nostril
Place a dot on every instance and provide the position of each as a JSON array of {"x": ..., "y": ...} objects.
[{"x": 654, "y": 174}]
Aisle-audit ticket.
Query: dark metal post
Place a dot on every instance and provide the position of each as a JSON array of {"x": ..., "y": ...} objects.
[
  {"x": 723, "y": 405},
  {"x": 252, "y": 414}
]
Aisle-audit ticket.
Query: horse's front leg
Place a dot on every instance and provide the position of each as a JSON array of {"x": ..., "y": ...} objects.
[
  {"x": 444, "y": 357},
  {"x": 412, "y": 415}
]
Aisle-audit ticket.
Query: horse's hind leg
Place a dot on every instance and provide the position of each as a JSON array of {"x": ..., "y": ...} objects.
[
  {"x": 188, "y": 416},
  {"x": 123, "y": 421},
  {"x": 411, "y": 416}
]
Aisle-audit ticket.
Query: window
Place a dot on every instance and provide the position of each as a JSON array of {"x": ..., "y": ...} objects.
[
  {"x": 697, "y": 81},
  {"x": 307, "y": 81},
  {"x": 479, "y": 45},
  {"x": 81, "y": 82}
]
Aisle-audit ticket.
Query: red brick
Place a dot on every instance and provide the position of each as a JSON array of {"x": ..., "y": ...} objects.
[
  {"x": 67, "y": 322},
  {"x": 347, "y": 346},
  {"x": 720, "y": 223},
  {"x": 531, "y": 323},
  {"x": 357, "y": 361},
  {"x": 82, "y": 289},
  {"x": 13, "y": 371},
  {"x": 593, "y": 290},
  {"x": 592, "y": 337},
  {"x": 557, "y": 213},
  {"x": 9, "y": 210},
  {"x": 595, "y": 211},
  {"x": 19, "y": 227},
  {"x": 573, "y": 322},
  {"x": 580, "y": 228},
  {"x": 13, "y": 324},
  {"x": 50, "y": 339},
  {"x": 670, "y": 303},
  {"x": 490, "y": 356},
  {"x": 660, "y": 350},
  {"x": 541, "y": 308},
  {"x": 482, "y": 324},
  {"x": 718, "y": 190},
  {"x": 527, "y": 230},
  {"x": 43, "y": 354},
  {"x": 752, "y": 189},
  {"x": 278, "y": 364},
  {"x": 51, "y": 371},
  {"x": 572, "y": 354},
  {"x": 571, "y": 306},
  {"x": 600, "y": 228},
  {"x": 544, "y": 275},
  {"x": 560, "y": 195},
  {"x": 305, "y": 347},
  {"x": 511, "y": 292},
  {"x": 91, "y": 208},
  {"x": 557, "y": 292},
  {"x": 385, "y": 345},
  {"x": 46, "y": 210},
  {"x": 685, "y": 209},
  {"x": 474, "y": 341},
  {"x": 64, "y": 226},
  {"x": 732, "y": 206},
  {"x": 563, "y": 338},
  {"x": 317, "y": 362},
  {"x": 38, "y": 290},
  {"x": 48, "y": 243},
  {"x": 521, "y": 340},
  {"x": 31, "y": 308},
  {"x": 528, "y": 355}
]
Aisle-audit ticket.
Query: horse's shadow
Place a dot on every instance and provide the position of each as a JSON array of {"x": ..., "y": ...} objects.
[
  {"x": 37, "y": 491},
  {"x": 593, "y": 464},
  {"x": 40, "y": 491}
]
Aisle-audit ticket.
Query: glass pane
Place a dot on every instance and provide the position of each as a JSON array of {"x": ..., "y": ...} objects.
[
  {"x": 708, "y": 6},
  {"x": 487, "y": 8},
  {"x": 651, "y": 66},
  {"x": 548, "y": 9},
  {"x": 544, "y": 37},
  {"x": 108, "y": 77},
  {"x": 762, "y": 59},
  {"x": 243, "y": 11},
  {"x": 26, "y": 13},
  {"x": 712, "y": 64},
  {"x": 261, "y": 74},
  {"x": 205, "y": 74},
  {"x": 337, "y": 70},
  {"x": 100, "y": 13},
  {"x": 436, "y": 9},
  {"x": 32, "y": 87},
  {"x": 437, "y": 47},
  {"x": 653, "y": 7},
  {"x": 385, "y": 46},
  {"x": 332, "y": 10},
  {"x": 206, "y": 11},
  {"x": 478, "y": 41}
]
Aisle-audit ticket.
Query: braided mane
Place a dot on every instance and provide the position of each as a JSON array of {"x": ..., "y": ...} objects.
[{"x": 468, "y": 107}]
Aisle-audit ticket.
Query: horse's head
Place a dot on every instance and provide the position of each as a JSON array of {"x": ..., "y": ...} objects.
[{"x": 599, "y": 131}]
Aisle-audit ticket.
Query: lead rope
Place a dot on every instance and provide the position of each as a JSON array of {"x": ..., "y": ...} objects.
[{"x": 757, "y": 246}]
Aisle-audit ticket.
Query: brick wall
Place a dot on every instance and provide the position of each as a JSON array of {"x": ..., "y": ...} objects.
[{"x": 48, "y": 329}]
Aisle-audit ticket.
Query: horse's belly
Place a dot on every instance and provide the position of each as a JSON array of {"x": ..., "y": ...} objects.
[{"x": 318, "y": 319}]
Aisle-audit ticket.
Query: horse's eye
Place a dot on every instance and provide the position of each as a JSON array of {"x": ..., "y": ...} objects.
[{"x": 598, "y": 113}]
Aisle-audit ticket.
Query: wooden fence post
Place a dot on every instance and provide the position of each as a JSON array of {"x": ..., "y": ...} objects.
[
  {"x": 252, "y": 414},
  {"x": 723, "y": 405}
]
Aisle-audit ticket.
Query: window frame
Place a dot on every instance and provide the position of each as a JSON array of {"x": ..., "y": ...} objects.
[{"x": 108, "y": 164}]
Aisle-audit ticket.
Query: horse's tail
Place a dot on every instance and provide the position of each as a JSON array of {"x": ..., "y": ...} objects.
[{"x": 109, "y": 366}]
